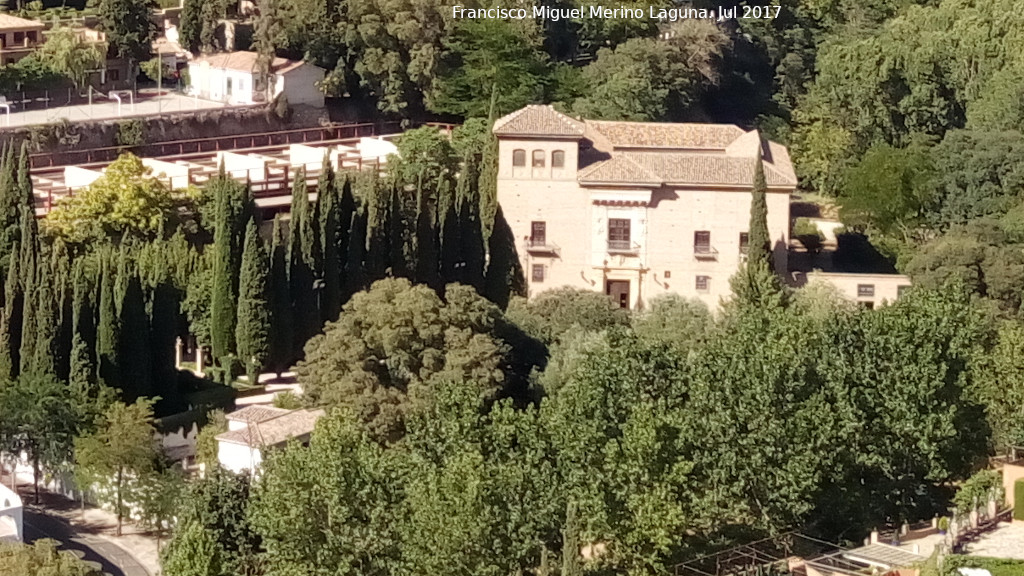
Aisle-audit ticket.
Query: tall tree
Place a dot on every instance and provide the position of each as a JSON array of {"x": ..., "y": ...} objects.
[
  {"x": 452, "y": 257},
  {"x": 190, "y": 25},
  {"x": 301, "y": 264},
  {"x": 504, "y": 272},
  {"x": 470, "y": 227},
  {"x": 109, "y": 326},
  {"x": 119, "y": 453},
  {"x": 129, "y": 27},
  {"x": 355, "y": 266},
  {"x": 253, "y": 330},
  {"x": 759, "y": 239},
  {"x": 282, "y": 338},
  {"x": 83, "y": 340},
  {"x": 224, "y": 297},
  {"x": 41, "y": 420},
  {"x": 572, "y": 564},
  {"x": 265, "y": 38},
  {"x": 331, "y": 241},
  {"x": 378, "y": 231},
  {"x": 10, "y": 327},
  {"x": 401, "y": 260},
  {"x": 46, "y": 349},
  {"x": 134, "y": 351},
  {"x": 427, "y": 264}
]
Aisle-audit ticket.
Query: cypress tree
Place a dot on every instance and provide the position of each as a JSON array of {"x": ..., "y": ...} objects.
[
  {"x": 755, "y": 283},
  {"x": 401, "y": 260},
  {"x": 471, "y": 232},
  {"x": 504, "y": 273},
  {"x": 163, "y": 334},
  {"x": 10, "y": 204},
  {"x": 759, "y": 240},
  {"x": 108, "y": 328},
  {"x": 28, "y": 199},
  {"x": 46, "y": 351},
  {"x": 82, "y": 373},
  {"x": 10, "y": 328},
  {"x": 488, "y": 186},
  {"x": 451, "y": 237},
  {"x": 355, "y": 270},
  {"x": 133, "y": 344},
  {"x": 64, "y": 296},
  {"x": 300, "y": 265},
  {"x": 29, "y": 324},
  {"x": 222, "y": 297},
  {"x": 329, "y": 212},
  {"x": 378, "y": 232},
  {"x": 253, "y": 331},
  {"x": 572, "y": 564},
  {"x": 426, "y": 241},
  {"x": 281, "y": 319}
]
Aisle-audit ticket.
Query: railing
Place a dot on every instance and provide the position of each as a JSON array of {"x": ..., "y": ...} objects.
[
  {"x": 540, "y": 245},
  {"x": 705, "y": 252},
  {"x": 623, "y": 246}
]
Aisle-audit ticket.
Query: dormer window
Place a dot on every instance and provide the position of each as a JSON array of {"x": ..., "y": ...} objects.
[
  {"x": 519, "y": 157},
  {"x": 538, "y": 158},
  {"x": 558, "y": 159}
]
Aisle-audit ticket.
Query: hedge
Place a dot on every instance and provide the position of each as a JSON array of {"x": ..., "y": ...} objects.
[{"x": 1018, "y": 499}]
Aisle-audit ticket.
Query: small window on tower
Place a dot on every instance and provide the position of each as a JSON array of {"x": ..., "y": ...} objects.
[
  {"x": 702, "y": 283},
  {"x": 538, "y": 273},
  {"x": 558, "y": 159},
  {"x": 519, "y": 157},
  {"x": 538, "y": 158}
]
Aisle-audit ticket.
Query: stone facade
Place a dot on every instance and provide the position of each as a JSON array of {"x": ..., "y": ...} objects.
[{"x": 635, "y": 210}]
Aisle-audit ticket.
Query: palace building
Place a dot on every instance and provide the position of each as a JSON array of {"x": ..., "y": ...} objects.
[{"x": 636, "y": 209}]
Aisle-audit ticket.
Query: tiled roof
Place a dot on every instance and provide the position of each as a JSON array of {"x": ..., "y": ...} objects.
[
  {"x": 651, "y": 153},
  {"x": 246, "y": 62},
  {"x": 665, "y": 135},
  {"x": 535, "y": 120},
  {"x": 14, "y": 23},
  {"x": 619, "y": 169},
  {"x": 274, "y": 431},
  {"x": 256, "y": 413}
]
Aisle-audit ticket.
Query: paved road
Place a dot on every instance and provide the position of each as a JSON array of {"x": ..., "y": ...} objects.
[{"x": 113, "y": 559}]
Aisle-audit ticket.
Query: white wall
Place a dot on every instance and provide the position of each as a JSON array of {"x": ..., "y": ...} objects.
[
  {"x": 75, "y": 177},
  {"x": 885, "y": 287},
  {"x": 300, "y": 86},
  {"x": 175, "y": 175},
  {"x": 11, "y": 513},
  {"x": 238, "y": 165},
  {"x": 237, "y": 458}
]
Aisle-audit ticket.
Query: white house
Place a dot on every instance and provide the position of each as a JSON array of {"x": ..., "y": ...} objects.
[
  {"x": 254, "y": 429},
  {"x": 11, "y": 522},
  {"x": 232, "y": 77}
]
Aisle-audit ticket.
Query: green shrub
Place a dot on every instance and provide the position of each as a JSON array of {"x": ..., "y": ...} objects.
[
  {"x": 997, "y": 566},
  {"x": 976, "y": 489},
  {"x": 1018, "y": 499},
  {"x": 130, "y": 133}
]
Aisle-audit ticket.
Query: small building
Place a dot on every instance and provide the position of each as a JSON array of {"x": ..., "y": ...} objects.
[
  {"x": 232, "y": 77},
  {"x": 11, "y": 521},
  {"x": 255, "y": 429},
  {"x": 18, "y": 38}
]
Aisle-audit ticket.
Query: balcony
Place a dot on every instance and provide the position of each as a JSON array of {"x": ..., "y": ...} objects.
[
  {"x": 541, "y": 246},
  {"x": 705, "y": 252},
  {"x": 623, "y": 247}
]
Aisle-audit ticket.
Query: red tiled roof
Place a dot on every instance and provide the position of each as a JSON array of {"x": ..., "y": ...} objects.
[{"x": 537, "y": 120}]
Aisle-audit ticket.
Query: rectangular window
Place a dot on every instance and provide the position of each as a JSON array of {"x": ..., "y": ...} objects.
[
  {"x": 538, "y": 273},
  {"x": 538, "y": 233},
  {"x": 229, "y": 87},
  {"x": 519, "y": 157},
  {"x": 113, "y": 75},
  {"x": 702, "y": 242},
  {"x": 702, "y": 283},
  {"x": 618, "y": 234},
  {"x": 744, "y": 242},
  {"x": 19, "y": 38},
  {"x": 865, "y": 290}
]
